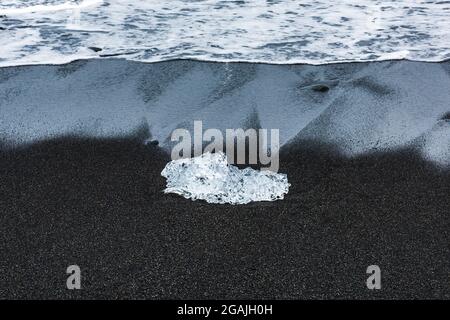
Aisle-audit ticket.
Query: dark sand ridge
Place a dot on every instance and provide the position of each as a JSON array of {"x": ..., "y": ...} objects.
[
  {"x": 356, "y": 107},
  {"x": 99, "y": 204}
]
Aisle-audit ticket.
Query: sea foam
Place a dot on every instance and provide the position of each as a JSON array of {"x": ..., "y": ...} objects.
[{"x": 282, "y": 32}]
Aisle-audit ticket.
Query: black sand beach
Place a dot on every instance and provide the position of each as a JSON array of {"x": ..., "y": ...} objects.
[
  {"x": 98, "y": 96},
  {"x": 98, "y": 203},
  {"x": 364, "y": 146}
]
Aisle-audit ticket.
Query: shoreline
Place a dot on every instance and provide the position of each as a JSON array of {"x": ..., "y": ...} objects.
[{"x": 212, "y": 61}]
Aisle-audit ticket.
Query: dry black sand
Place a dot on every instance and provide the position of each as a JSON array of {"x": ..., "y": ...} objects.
[{"x": 99, "y": 204}]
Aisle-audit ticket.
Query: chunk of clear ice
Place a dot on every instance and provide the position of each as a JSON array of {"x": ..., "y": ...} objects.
[{"x": 209, "y": 177}]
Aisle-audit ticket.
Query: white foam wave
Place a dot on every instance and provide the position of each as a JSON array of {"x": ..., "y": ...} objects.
[
  {"x": 283, "y": 32},
  {"x": 44, "y": 8}
]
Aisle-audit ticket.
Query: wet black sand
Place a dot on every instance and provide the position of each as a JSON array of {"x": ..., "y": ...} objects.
[{"x": 98, "y": 204}]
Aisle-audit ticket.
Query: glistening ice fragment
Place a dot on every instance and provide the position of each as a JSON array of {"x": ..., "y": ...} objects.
[{"x": 209, "y": 177}]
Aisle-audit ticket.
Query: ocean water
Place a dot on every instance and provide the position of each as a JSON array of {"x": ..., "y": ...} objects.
[{"x": 272, "y": 31}]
